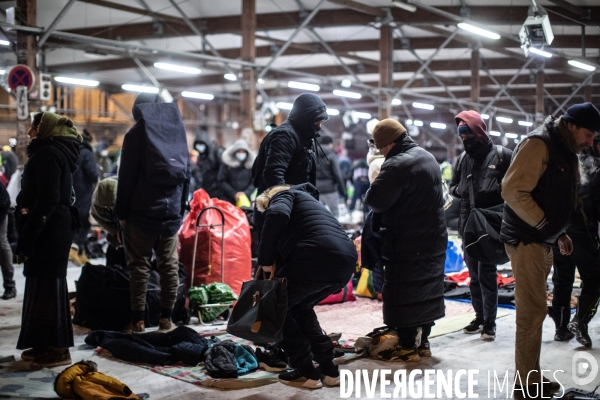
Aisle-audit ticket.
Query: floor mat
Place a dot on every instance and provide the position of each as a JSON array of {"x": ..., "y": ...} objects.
[
  {"x": 18, "y": 382},
  {"x": 197, "y": 375}
]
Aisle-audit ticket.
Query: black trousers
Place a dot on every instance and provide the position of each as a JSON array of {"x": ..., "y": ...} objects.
[
  {"x": 409, "y": 335},
  {"x": 83, "y": 231},
  {"x": 303, "y": 339},
  {"x": 483, "y": 287},
  {"x": 585, "y": 258}
]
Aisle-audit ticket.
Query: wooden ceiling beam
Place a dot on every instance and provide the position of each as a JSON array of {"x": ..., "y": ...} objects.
[{"x": 134, "y": 10}]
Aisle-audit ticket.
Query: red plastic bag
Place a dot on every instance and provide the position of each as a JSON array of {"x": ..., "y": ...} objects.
[
  {"x": 343, "y": 296},
  {"x": 238, "y": 257}
]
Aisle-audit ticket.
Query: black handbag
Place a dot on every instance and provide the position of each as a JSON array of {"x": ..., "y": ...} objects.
[
  {"x": 481, "y": 233},
  {"x": 261, "y": 309}
]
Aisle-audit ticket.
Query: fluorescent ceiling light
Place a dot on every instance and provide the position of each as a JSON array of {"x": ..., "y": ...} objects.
[
  {"x": 409, "y": 122},
  {"x": 230, "y": 77},
  {"x": 511, "y": 135},
  {"x": 166, "y": 96},
  {"x": 581, "y": 65},
  {"x": 284, "y": 106},
  {"x": 417, "y": 122},
  {"x": 346, "y": 83},
  {"x": 2, "y": 72},
  {"x": 197, "y": 95},
  {"x": 260, "y": 81},
  {"x": 4, "y": 42},
  {"x": 485, "y": 116},
  {"x": 333, "y": 111},
  {"x": 423, "y": 106},
  {"x": 343, "y": 93},
  {"x": 495, "y": 133},
  {"x": 437, "y": 125},
  {"x": 405, "y": 6},
  {"x": 478, "y": 31},
  {"x": 177, "y": 68},
  {"x": 361, "y": 115},
  {"x": 94, "y": 55},
  {"x": 139, "y": 88},
  {"x": 304, "y": 86},
  {"x": 525, "y": 123},
  {"x": 504, "y": 120},
  {"x": 75, "y": 81},
  {"x": 396, "y": 102},
  {"x": 539, "y": 52}
]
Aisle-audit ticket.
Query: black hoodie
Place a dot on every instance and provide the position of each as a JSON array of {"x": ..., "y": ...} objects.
[{"x": 287, "y": 154}]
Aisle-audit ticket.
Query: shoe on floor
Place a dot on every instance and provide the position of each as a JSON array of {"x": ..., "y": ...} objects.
[
  {"x": 138, "y": 327},
  {"x": 165, "y": 325},
  {"x": 580, "y": 330},
  {"x": 268, "y": 361},
  {"x": 488, "y": 330},
  {"x": 387, "y": 341},
  {"x": 424, "y": 349},
  {"x": 307, "y": 377},
  {"x": 474, "y": 327},
  {"x": 563, "y": 335},
  {"x": 9, "y": 293},
  {"x": 29, "y": 354},
  {"x": 399, "y": 353},
  {"x": 330, "y": 374},
  {"x": 51, "y": 357}
]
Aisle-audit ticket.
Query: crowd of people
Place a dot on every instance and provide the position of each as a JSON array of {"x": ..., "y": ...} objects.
[{"x": 296, "y": 182}]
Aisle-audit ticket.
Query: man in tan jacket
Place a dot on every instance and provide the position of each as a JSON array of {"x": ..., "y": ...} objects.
[{"x": 539, "y": 190}]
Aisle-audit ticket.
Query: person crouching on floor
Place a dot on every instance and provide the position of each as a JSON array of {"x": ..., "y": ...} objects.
[{"x": 311, "y": 250}]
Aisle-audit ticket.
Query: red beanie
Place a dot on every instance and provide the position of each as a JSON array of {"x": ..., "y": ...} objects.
[{"x": 475, "y": 123}]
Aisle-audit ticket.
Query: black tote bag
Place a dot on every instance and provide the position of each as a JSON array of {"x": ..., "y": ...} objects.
[
  {"x": 481, "y": 234},
  {"x": 260, "y": 311}
]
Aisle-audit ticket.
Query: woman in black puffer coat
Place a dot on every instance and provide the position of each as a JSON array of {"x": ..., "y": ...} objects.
[
  {"x": 235, "y": 173},
  {"x": 311, "y": 250},
  {"x": 46, "y": 224}
]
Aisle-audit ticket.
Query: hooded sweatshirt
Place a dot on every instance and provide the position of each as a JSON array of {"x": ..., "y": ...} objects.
[
  {"x": 236, "y": 176},
  {"x": 287, "y": 154}
]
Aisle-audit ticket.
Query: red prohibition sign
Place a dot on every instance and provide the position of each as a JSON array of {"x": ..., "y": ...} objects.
[{"x": 20, "y": 75}]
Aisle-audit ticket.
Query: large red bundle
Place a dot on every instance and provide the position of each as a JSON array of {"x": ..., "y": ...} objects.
[{"x": 238, "y": 257}]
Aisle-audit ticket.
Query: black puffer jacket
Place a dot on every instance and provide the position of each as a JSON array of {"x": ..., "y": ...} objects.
[
  {"x": 407, "y": 200},
  {"x": 85, "y": 179},
  {"x": 304, "y": 238},
  {"x": 208, "y": 165},
  {"x": 235, "y": 176},
  {"x": 488, "y": 171},
  {"x": 157, "y": 209},
  {"x": 329, "y": 177},
  {"x": 585, "y": 217},
  {"x": 46, "y": 231},
  {"x": 287, "y": 154}
]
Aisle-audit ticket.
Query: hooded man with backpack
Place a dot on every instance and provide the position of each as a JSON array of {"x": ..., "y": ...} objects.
[
  {"x": 151, "y": 195},
  {"x": 486, "y": 164}
]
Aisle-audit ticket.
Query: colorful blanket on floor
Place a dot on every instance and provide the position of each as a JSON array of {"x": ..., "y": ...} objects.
[{"x": 198, "y": 376}]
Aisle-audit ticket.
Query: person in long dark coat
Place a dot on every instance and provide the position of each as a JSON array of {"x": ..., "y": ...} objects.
[
  {"x": 208, "y": 164},
  {"x": 47, "y": 222},
  {"x": 311, "y": 250},
  {"x": 406, "y": 198},
  {"x": 235, "y": 173},
  {"x": 84, "y": 181}
]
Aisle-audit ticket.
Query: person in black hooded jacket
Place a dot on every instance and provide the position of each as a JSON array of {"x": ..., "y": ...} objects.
[
  {"x": 329, "y": 178},
  {"x": 287, "y": 153},
  {"x": 208, "y": 165},
  {"x": 46, "y": 221},
  {"x": 84, "y": 181},
  {"x": 235, "y": 174},
  {"x": 406, "y": 198},
  {"x": 150, "y": 206},
  {"x": 308, "y": 246}
]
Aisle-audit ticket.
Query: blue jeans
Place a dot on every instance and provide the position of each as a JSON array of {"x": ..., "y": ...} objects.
[{"x": 303, "y": 338}]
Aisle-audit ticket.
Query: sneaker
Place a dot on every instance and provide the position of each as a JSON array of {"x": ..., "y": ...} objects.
[
  {"x": 51, "y": 357},
  {"x": 330, "y": 374},
  {"x": 165, "y": 325},
  {"x": 563, "y": 335},
  {"x": 387, "y": 341},
  {"x": 580, "y": 330},
  {"x": 9, "y": 293},
  {"x": 488, "y": 331},
  {"x": 307, "y": 377},
  {"x": 474, "y": 327},
  {"x": 268, "y": 361},
  {"x": 29, "y": 354},
  {"x": 424, "y": 350},
  {"x": 399, "y": 353}
]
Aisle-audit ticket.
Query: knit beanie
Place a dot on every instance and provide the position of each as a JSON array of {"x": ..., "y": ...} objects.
[
  {"x": 387, "y": 131},
  {"x": 475, "y": 123},
  {"x": 584, "y": 115},
  {"x": 53, "y": 125}
]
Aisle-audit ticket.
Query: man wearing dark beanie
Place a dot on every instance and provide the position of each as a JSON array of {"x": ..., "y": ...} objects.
[
  {"x": 406, "y": 199},
  {"x": 539, "y": 190}
]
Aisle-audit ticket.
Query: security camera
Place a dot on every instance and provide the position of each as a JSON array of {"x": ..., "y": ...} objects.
[
  {"x": 536, "y": 31},
  {"x": 404, "y": 5}
]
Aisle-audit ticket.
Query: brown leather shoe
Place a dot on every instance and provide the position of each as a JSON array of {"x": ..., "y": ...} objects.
[
  {"x": 51, "y": 357},
  {"x": 29, "y": 354},
  {"x": 165, "y": 325},
  {"x": 138, "y": 327}
]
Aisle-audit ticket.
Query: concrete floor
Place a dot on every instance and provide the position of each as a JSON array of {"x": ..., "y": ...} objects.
[{"x": 450, "y": 352}]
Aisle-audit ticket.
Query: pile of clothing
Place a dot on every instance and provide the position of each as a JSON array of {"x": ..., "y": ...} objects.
[{"x": 223, "y": 359}]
